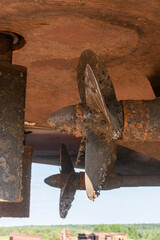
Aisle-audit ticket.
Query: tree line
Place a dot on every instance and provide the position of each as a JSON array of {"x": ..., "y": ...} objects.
[{"x": 134, "y": 231}]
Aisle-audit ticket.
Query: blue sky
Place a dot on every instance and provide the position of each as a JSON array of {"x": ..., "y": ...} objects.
[{"x": 125, "y": 205}]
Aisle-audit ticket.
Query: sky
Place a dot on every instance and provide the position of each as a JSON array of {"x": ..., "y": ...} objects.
[{"x": 124, "y": 205}]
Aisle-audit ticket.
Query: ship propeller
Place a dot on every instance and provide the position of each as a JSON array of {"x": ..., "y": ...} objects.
[{"x": 67, "y": 181}]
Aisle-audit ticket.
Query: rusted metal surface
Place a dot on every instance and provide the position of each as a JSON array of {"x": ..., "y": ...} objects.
[
  {"x": 68, "y": 188},
  {"x": 125, "y": 35},
  {"x": 66, "y": 181},
  {"x": 104, "y": 121},
  {"x": 113, "y": 181},
  {"x": 6, "y": 48},
  {"x": 9, "y": 42},
  {"x": 47, "y": 143},
  {"x": 99, "y": 144},
  {"x": 100, "y": 121},
  {"x": 141, "y": 120},
  {"x": 131, "y": 169},
  {"x": 67, "y": 196},
  {"x": 117, "y": 181},
  {"x": 68, "y": 120},
  {"x": 150, "y": 149},
  {"x": 21, "y": 209},
  {"x": 65, "y": 161},
  {"x": 70, "y": 181},
  {"x": 104, "y": 82},
  {"x": 96, "y": 148},
  {"x": 80, "y": 158},
  {"x": 59, "y": 180},
  {"x": 12, "y": 103},
  {"x": 131, "y": 162},
  {"x": 140, "y": 117}
]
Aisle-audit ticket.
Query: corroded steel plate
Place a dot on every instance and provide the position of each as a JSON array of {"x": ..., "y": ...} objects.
[
  {"x": 21, "y": 209},
  {"x": 12, "y": 103},
  {"x": 124, "y": 34}
]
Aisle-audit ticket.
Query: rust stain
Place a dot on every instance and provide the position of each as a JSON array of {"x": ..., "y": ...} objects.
[
  {"x": 21, "y": 208},
  {"x": 79, "y": 111},
  {"x": 147, "y": 122},
  {"x": 125, "y": 118},
  {"x": 78, "y": 119},
  {"x": 136, "y": 120}
]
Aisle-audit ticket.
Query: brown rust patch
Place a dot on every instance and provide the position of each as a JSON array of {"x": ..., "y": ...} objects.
[
  {"x": 136, "y": 120},
  {"x": 147, "y": 122},
  {"x": 79, "y": 120},
  {"x": 12, "y": 99},
  {"x": 141, "y": 120},
  {"x": 20, "y": 209}
]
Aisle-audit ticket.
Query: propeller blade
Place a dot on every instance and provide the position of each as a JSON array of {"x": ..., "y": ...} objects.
[
  {"x": 100, "y": 138},
  {"x": 65, "y": 160},
  {"x": 98, "y": 156},
  {"x": 67, "y": 195},
  {"x": 95, "y": 101},
  {"x": 69, "y": 189},
  {"x": 102, "y": 76}
]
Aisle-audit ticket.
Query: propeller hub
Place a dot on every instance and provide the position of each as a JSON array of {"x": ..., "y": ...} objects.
[{"x": 68, "y": 120}]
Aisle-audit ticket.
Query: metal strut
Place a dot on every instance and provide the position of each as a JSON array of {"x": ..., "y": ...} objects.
[{"x": 12, "y": 104}]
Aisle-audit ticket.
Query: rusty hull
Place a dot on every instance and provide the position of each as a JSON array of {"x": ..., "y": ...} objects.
[{"x": 125, "y": 35}]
